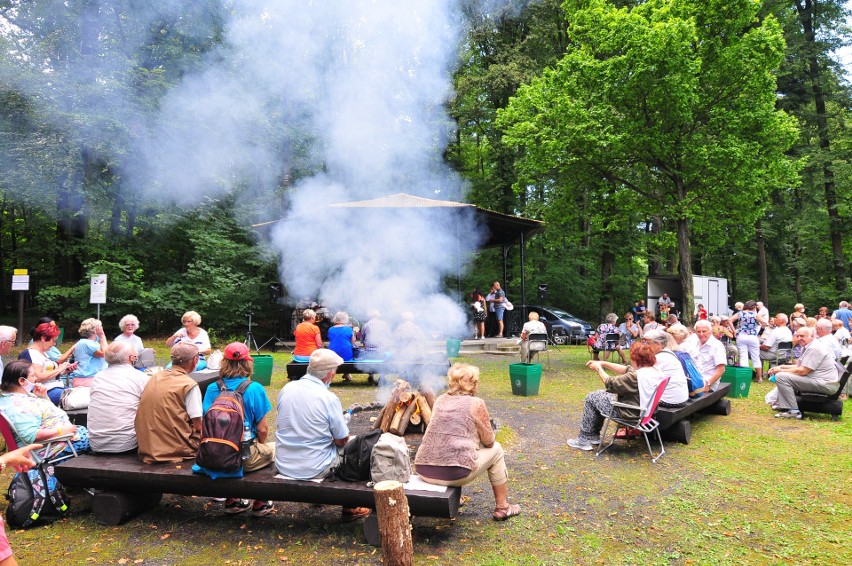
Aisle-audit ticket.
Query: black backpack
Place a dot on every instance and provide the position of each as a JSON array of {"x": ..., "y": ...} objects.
[
  {"x": 35, "y": 497},
  {"x": 355, "y": 463},
  {"x": 222, "y": 428}
]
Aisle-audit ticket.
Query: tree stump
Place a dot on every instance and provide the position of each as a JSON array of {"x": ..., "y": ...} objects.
[{"x": 394, "y": 524}]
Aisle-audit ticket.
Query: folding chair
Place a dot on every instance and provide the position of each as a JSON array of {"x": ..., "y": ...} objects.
[
  {"x": 783, "y": 354},
  {"x": 643, "y": 424},
  {"x": 10, "y": 435},
  {"x": 537, "y": 343}
]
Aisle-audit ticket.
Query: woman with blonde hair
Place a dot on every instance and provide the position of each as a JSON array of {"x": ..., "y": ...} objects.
[
  {"x": 798, "y": 312},
  {"x": 192, "y": 333},
  {"x": 89, "y": 352},
  {"x": 459, "y": 443}
]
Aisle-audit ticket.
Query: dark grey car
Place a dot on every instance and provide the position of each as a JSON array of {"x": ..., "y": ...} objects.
[{"x": 562, "y": 326}]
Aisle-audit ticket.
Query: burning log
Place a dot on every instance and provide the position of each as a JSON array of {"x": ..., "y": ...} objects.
[
  {"x": 405, "y": 417},
  {"x": 430, "y": 397},
  {"x": 425, "y": 410}
]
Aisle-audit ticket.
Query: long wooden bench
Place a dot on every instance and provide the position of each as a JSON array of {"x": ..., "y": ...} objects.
[
  {"x": 674, "y": 424},
  {"x": 295, "y": 370},
  {"x": 126, "y": 487}
]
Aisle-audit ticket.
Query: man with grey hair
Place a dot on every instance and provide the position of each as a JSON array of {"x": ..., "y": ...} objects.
[
  {"x": 116, "y": 391},
  {"x": 816, "y": 372},
  {"x": 677, "y": 391},
  {"x": 824, "y": 327},
  {"x": 779, "y": 333},
  {"x": 711, "y": 360},
  {"x": 310, "y": 431},
  {"x": 8, "y": 337}
]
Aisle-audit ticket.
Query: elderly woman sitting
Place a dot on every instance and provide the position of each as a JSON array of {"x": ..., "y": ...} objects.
[
  {"x": 633, "y": 387},
  {"x": 24, "y": 402},
  {"x": 192, "y": 333},
  {"x": 89, "y": 352},
  {"x": 601, "y": 343},
  {"x": 459, "y": 443},
  {"x": 533, "y": 326},
  {"x": 308, "y": 336}
]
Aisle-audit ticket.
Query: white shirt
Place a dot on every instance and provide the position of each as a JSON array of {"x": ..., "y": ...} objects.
[
  {"x": 831, "y": 344},
  {"x": 677, "y": 391},
  {"x": 776, "y": 336},
  {"x": 534, "y": 327},
  {"x": 842, "y": 334},
  {"x": 711, "y": 354}
]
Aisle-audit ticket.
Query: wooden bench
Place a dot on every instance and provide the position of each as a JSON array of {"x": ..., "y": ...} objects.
[
  {"x": 826, "y": 404},
  {"x": 674, "y": 424},
  {"x": 295, "y": 370},
  {"x": 127, "y": 487}
]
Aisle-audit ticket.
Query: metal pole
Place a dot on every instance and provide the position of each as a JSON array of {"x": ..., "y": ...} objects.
[
  {"x": 523, "y": 281},
  {"x": 20, "y": 318}
]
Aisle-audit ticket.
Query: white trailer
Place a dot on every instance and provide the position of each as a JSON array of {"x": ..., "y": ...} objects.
[{"x": 712, "y": 292}]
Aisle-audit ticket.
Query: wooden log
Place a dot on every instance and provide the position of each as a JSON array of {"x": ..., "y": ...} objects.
[
  {"x": 720, "y": 407},
  {"x": 425, "y": 410},
  {"x": 405, "y": 419},
  {"x": 115, "y": 507},
  {"x": 378, "y": 422},
  {"x": 394, "y": 524},
  {"x": 415, "y": 419},
  {"x": 396, "y": 420},
  {"x": 390, "y": 410},
  {"x": 429, "y": 395}
]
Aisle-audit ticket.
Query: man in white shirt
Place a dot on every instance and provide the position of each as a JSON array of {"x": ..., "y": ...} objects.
[
  {"x": 116, "y": 391},
  {"x": 816, "y": 372},
  {"x": 711, "y": 358},
  {"x": 779, "y": 333},
  {"x": 824, "y": 335},
  {"x": 762, "y": 311}
]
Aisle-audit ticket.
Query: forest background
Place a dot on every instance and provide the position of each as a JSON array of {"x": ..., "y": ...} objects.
[{"x": 658, "y": 137}]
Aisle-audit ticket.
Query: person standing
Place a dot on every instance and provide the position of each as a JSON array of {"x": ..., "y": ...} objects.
[
  {"x": 844, "y": 315},
  {"x": 748, "y": 344},
  {"x": 480, "y": 314},
  {"x": 498, "y": 303}
]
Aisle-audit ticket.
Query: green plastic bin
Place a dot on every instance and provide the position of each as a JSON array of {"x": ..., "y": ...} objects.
[
  {"x": 262, "y": 369},
  {"x": 453, "y": 347},
  {"x": 525, "y": 379},
  {"x": 61, "y": 336},
  {"x": 739, "y": 378}
]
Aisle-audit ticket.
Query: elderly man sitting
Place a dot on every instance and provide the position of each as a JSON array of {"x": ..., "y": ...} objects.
[
  {"x": 711, "y": 358},
  {"x": 116, "y": 391},
  {"x": 815, "y": 373},
  {"x": 779, "y": 333},
  {"x": 8, "y": 335},
  {"x": 824, "y": 335},
  {"x": 310, "y": 431}
]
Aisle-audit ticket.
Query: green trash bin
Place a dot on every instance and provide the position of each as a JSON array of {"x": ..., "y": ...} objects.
[
  {"x": 525, "y": 379},
  {"x": 739, "y": 378},
  {"x": 61, "y": 336},
  {"x": 262, "y": 369},
  {"x": 453, "y": 347}
]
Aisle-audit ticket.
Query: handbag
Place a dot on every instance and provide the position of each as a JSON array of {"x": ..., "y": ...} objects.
[
  {"x": 75, "y": 398},
  {"x": 507, "y": 305}
]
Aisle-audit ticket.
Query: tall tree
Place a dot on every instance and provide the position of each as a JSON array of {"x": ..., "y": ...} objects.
[{"x": 673, "y": 100}]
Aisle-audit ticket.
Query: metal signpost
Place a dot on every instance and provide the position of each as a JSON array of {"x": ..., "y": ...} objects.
[
  {"x": 21, "y": 284},
  {"x": 98, "y": 292}
]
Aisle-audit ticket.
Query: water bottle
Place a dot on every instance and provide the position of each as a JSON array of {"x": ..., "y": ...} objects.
[
  {"x": 347, "y": 416},
  {"x": 245, "y": 448}
]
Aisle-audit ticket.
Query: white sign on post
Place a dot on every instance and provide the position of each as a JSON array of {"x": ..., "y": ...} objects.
[
  {"x": 98, "y": 292},
  {"x": 20, "y": 282}
]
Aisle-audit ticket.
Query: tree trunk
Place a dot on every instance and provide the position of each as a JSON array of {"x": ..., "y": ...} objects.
[
  {"x": 685, "y": 271},
  {"x": 763, "y": 276},
  {"x": 835, "y": 224},
  {"x": 607, "y": 269},
  {"x": 394, "y": 525}
]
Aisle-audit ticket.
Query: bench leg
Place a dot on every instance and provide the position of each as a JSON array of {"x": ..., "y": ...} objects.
[
  {"x": 372, "y": 536},
  {"x": 115, "y": 507},
  {"x": 720, "y": 407},
  {"x": 680, "y": 431}
]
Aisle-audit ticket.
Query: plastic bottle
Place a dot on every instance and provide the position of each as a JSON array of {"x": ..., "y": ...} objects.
[
  {"x": 246, "y": 444},
  {"x": 347, "y": 416}
]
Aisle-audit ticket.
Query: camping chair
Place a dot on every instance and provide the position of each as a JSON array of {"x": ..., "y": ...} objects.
[
  {"x": 10, "y": 435},
  {"x": 783, "y": 354},
  {"x": 537, "y": 343},
  {"x": 643, "y": 424}
]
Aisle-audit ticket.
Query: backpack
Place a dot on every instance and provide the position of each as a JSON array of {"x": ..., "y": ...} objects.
[
  {"x": 35, "y": 496},
  {"x": 694, "y": 380},
  {"x": 390, "y": 459},
  {"x": 355, "y": 462},
  {"x": 222, "y": 429}
]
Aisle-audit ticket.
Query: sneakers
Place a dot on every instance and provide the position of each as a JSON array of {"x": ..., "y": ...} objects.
[
  {"x": 580, "y": 444},
  {"x": 262, "y": 508},
  {"x": 789, "y": 415},
  {"x": 234, "y": 506}
]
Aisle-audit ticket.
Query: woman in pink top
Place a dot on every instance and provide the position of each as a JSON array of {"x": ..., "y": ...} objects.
[{"x": 451, "y": 454}]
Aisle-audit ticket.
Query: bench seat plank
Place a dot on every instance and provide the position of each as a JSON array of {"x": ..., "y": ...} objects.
[{"x": 125, "y": 473}]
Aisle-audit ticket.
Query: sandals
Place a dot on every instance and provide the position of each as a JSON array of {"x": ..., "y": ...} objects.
[
  {"x": 349, "y": 515},
  {"x": 503, "y": 513}
]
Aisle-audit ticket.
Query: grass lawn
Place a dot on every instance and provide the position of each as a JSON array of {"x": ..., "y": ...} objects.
[{"x": 749, "y": 489}]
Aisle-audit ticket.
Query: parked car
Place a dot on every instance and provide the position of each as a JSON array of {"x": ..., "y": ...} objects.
[{"x": 562, "y": 326}]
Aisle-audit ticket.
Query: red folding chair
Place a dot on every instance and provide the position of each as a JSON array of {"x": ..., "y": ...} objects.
[
  {"x": 10, "y": 435},
  {"x": 644, "y": 424}
]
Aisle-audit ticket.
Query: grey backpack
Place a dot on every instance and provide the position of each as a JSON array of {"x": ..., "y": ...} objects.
[{"x": 390, "y": 459}]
